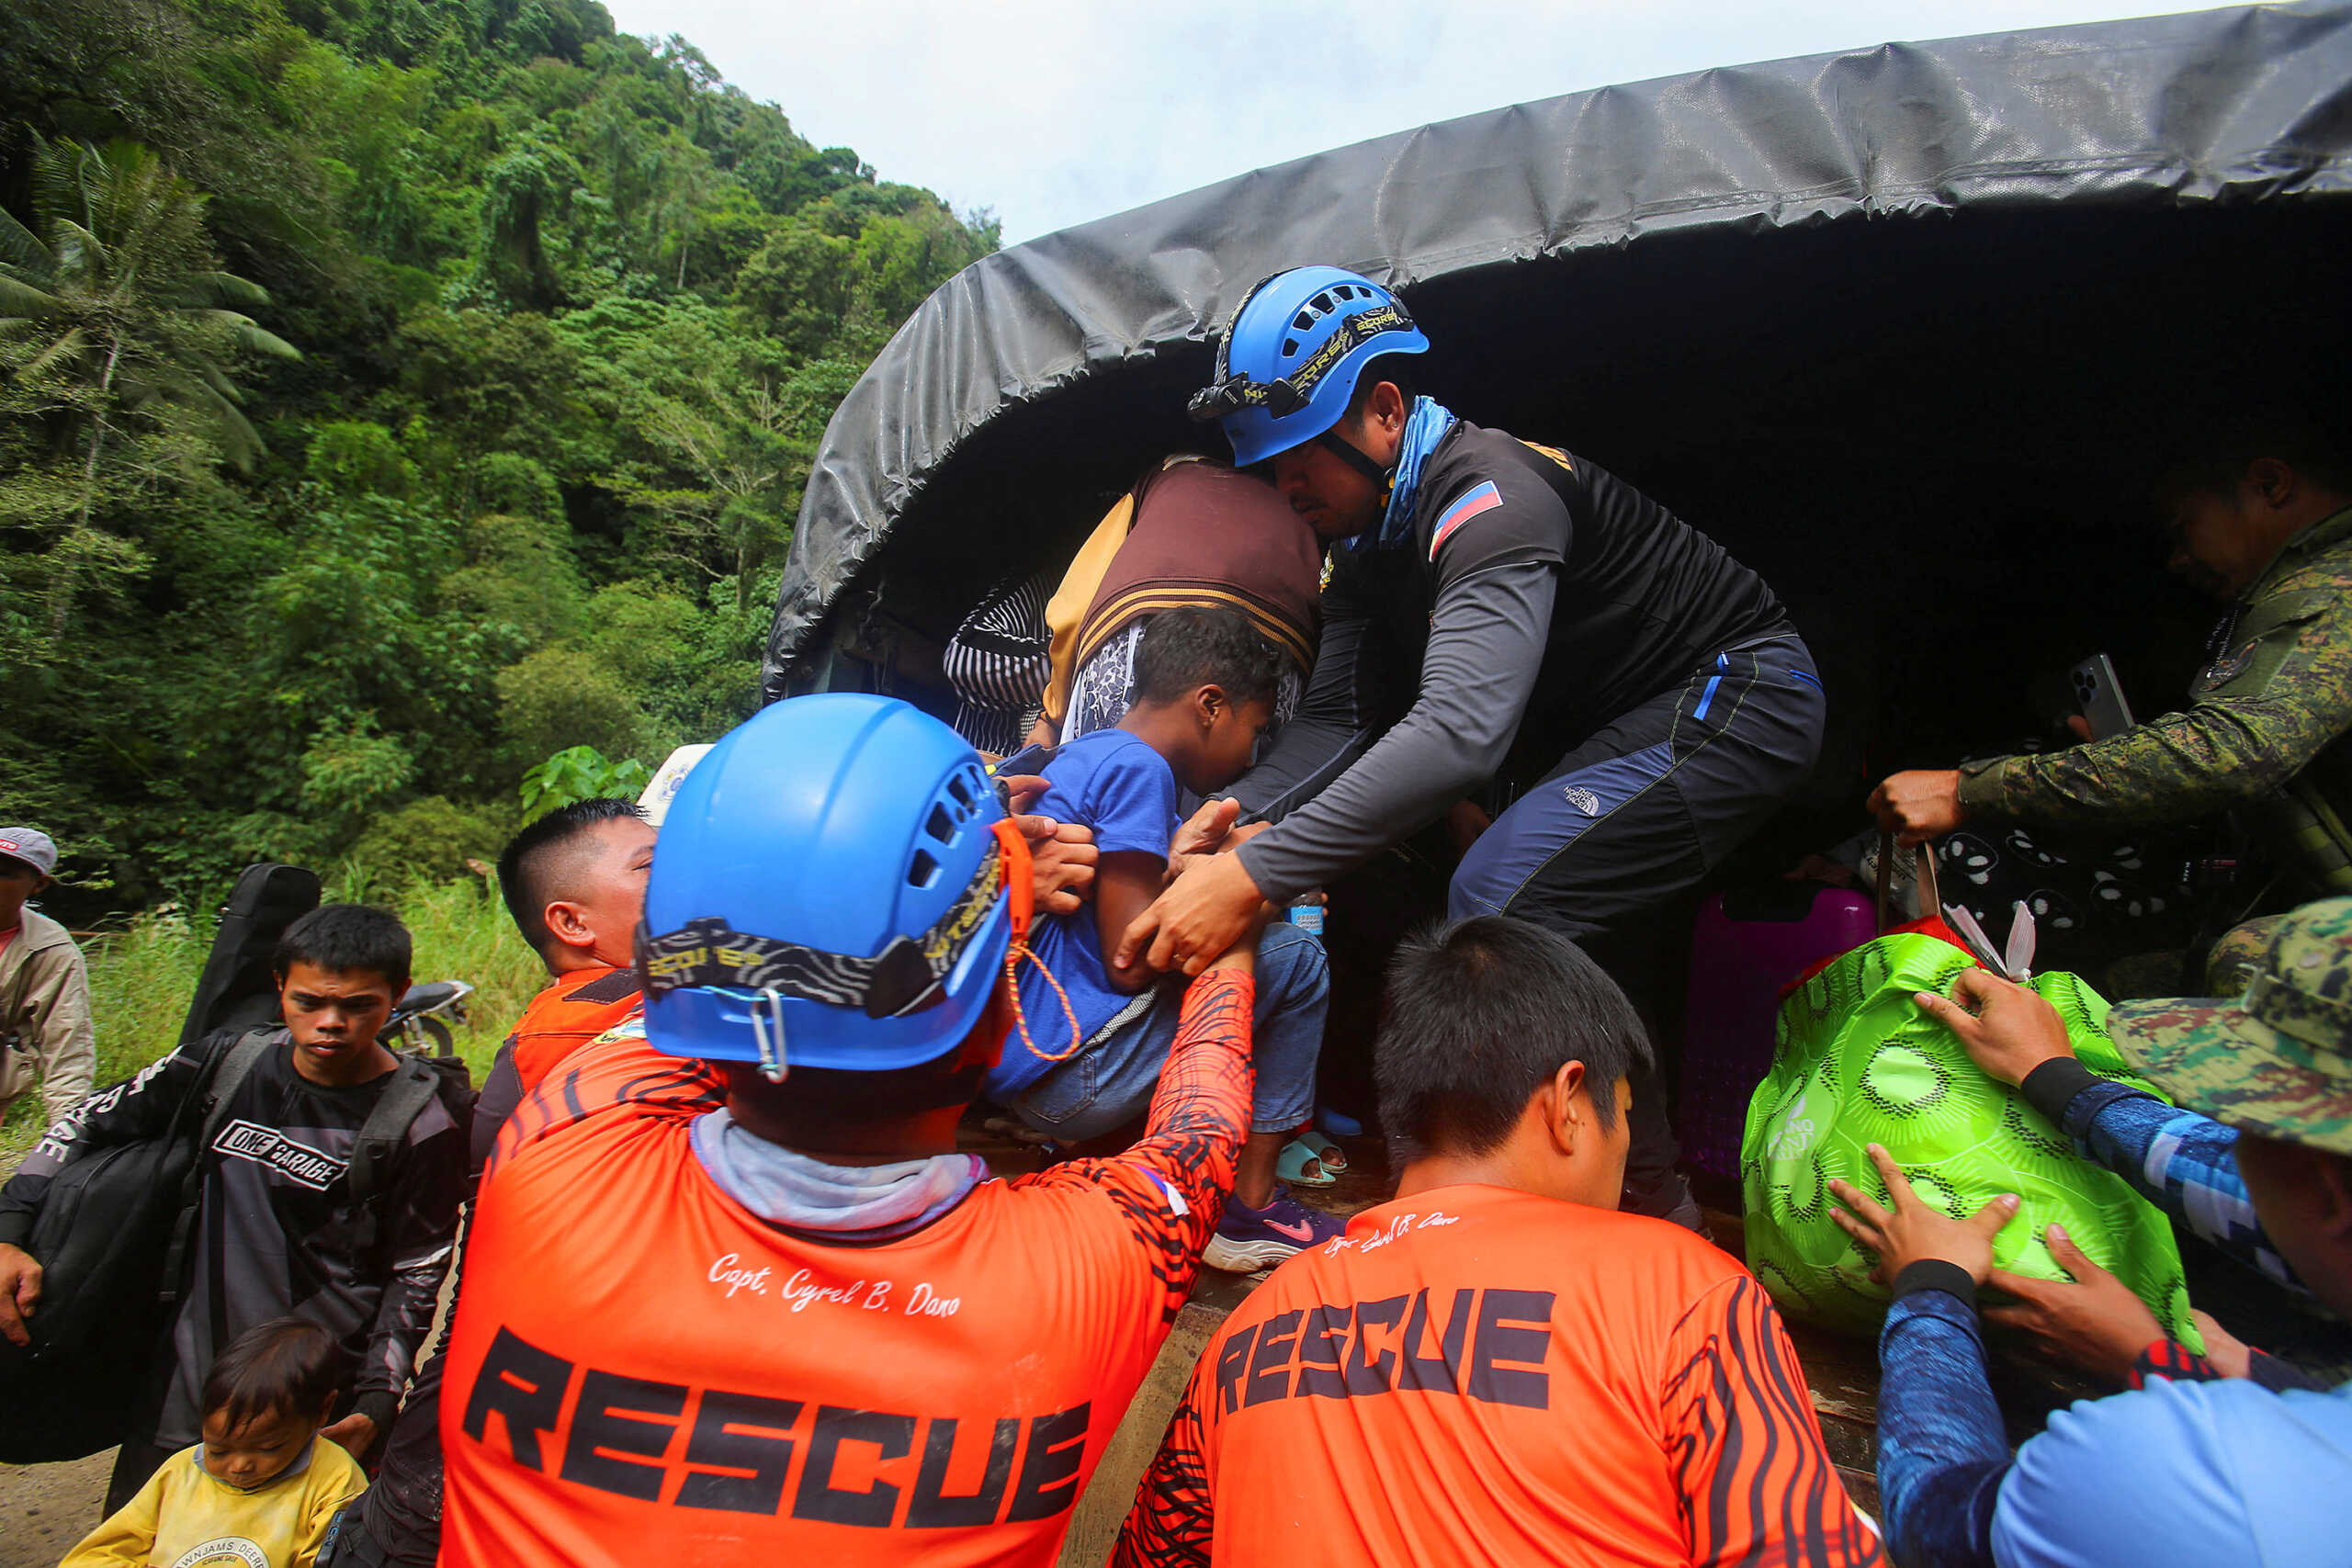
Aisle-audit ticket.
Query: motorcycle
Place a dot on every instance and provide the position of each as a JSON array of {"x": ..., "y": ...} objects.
[{"x": 427, "y": 1018}]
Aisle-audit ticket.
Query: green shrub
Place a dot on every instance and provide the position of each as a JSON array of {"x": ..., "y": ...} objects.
[
  {"x": 580, "y": 772},
  {"x": 431, "y": 839},
  {"x": 561, "y": 696}
]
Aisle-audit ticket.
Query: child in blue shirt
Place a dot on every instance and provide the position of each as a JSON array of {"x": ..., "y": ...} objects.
[{"x": 1204, "y": 683}]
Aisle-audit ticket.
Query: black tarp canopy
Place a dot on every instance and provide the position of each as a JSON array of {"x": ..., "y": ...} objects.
[{"x": 1899, "y": 326}]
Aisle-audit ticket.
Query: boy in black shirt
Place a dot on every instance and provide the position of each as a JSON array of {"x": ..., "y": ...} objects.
[{"x": 279, "y": 1231}]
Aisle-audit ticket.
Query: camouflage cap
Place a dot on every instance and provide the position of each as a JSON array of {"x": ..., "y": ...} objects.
[{"x": 2276, "y": 1061}]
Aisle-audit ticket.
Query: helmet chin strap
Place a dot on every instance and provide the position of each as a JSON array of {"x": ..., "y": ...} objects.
[{"x": 1347, "y": 452}]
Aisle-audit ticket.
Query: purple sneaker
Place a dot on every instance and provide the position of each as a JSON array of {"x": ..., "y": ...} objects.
[{"x": 1249, "y": 1239}]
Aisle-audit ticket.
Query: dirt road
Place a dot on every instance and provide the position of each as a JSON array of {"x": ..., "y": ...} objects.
[{"x": 45, "y": 1508}]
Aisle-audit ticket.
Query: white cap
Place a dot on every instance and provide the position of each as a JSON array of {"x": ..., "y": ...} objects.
[{"x": 655, "y": 801}]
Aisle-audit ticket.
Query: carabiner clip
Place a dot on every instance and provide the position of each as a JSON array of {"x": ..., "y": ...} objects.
[{"x": 773, "y": 1065}]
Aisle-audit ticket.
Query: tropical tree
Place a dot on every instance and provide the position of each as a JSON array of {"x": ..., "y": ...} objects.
[
  {"x": 115, "y": 309},
  {"x": 574, "y": 313},
  {"x": 117, "y": 335}
]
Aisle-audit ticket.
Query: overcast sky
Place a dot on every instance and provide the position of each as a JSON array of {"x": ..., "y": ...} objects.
[{"x": 1052, "y": 112}]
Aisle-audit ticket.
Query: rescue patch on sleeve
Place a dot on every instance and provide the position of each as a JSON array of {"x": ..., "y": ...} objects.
[{"x": 1485, "y": 498}]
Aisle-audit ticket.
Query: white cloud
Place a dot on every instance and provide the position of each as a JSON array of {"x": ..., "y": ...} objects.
[{"x": 1053, "y": 112}]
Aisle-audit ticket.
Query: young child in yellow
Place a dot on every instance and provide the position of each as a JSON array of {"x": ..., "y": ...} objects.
[{"x": 259, "y": 1491}]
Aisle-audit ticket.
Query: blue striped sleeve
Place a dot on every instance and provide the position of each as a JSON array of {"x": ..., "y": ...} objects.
[
  {"x": 2183, "y": 1162},
  {"x": 1941, "y": 1450}
]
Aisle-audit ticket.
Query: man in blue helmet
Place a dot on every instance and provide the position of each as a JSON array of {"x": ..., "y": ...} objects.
[
  {"x": 1499, "y": 614},
  {"x": 731, "y": 1292}
]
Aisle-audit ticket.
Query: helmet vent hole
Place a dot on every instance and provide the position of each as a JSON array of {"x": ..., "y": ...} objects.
[
  {"x": 924, "y": 869},
  {"x": 940, "y": 825},
  {"x": 1303, "y": 322},
  {"x": 1322, "y": 303},
  {"x": 961, "y": 789},
  {"x": 1289, "y": 346}
]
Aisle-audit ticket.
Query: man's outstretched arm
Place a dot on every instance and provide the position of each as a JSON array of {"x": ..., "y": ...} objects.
[{"x": 1173, "y": 1185}]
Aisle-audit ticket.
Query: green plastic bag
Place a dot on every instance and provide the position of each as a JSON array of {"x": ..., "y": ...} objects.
[{"x": 1856, "y": 1063}]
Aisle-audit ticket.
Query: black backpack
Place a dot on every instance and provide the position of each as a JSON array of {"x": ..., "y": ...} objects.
[{"x": 112, "y": 1228}]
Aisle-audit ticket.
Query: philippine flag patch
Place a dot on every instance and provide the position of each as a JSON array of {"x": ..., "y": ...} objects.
[{"x": 1485, "y": 498}]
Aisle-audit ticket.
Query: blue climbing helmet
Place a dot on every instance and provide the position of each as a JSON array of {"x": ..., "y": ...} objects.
[
  {"x": 835, "y": 886},
  {"x": 1287, "y": 366}
]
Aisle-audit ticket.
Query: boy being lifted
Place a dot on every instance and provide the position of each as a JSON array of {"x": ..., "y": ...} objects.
[
  {"x": 1204, "y": 681},
  {"x": 732, "y": 1290}
]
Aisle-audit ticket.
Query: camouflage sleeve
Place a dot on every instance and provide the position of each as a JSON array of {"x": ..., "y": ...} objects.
[{"x": 2282, "y": 694}]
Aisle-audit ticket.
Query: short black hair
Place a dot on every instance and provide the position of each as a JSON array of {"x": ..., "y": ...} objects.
[
  {"x": 288, "y": 1363},
  {"x": 1397, "y": 368},
  {"x": 1479, "y": 1014},
  {"x": 525, "y": 863},
  {"x": 2210, "y": 455},
  {"x": 346, "y": 939},
  {"x": 1202, "y": 645}
]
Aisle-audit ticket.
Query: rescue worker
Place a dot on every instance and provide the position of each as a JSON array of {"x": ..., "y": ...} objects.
[
  {"x": 1495, "y": 611},
  {"x": 1497, "y": 1367},
  {"x": 2265, "y": 524},
  {"x": 574, "y": 882},
  {"x": 731, "y": 1292}
]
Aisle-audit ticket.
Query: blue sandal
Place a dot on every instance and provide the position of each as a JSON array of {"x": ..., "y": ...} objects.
[{"x": 1291, "y": 1164}]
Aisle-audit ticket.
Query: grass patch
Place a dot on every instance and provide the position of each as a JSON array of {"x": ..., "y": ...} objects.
[{"x": 143, "y": 973}]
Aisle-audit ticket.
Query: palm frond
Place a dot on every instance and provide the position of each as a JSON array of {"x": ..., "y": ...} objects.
[
  {"x": 77, "y": 248},
  {"x": 22, "y": 300},
  {"x": 228, "y": 288},
  {"x": 22, "y": 253},
  {"x": 65, "y": 347},
  {"x": 215, "y": 377},
  {"x": 261, "y": 340},
  {"x": 251, "y": 334},
  {"x": 240, "y": 442},
  {"x": 57, "y": 189}
]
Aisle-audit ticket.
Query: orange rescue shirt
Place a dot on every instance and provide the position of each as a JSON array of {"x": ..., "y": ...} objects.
[
  {"x": 574, "y": 1007},
  {"x": 642, "y": 1370},
  {"x": 1481, "y": 1375}
]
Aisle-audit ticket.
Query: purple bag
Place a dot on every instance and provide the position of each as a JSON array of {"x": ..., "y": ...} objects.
[{"x": 1745, "y": 947}]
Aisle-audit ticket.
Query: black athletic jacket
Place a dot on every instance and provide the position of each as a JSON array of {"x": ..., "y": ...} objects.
[
  {"x": 1538, "y": 594},
  {"x": 275, "y": 1229}
]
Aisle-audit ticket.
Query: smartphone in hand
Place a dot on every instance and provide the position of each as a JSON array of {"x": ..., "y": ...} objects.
[{"x": 2098, "y": 696}]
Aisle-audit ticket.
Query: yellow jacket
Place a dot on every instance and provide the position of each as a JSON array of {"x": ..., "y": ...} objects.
[{"x": 185, "y": 1518}]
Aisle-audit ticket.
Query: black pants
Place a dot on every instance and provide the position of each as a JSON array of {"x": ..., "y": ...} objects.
[
  {"x": 134, "y": 1465},
  {"x": 1634, "y": 815}
]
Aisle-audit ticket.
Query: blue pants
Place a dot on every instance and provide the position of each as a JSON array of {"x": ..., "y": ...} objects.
[
  {"x": 1645, "y": 806},
  {"x": 1111, "y": 1083},
  {"x": 1639, "y": 812}
]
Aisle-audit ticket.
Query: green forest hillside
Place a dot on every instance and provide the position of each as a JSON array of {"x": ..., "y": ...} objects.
[{"x": 397, "y": 392}]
